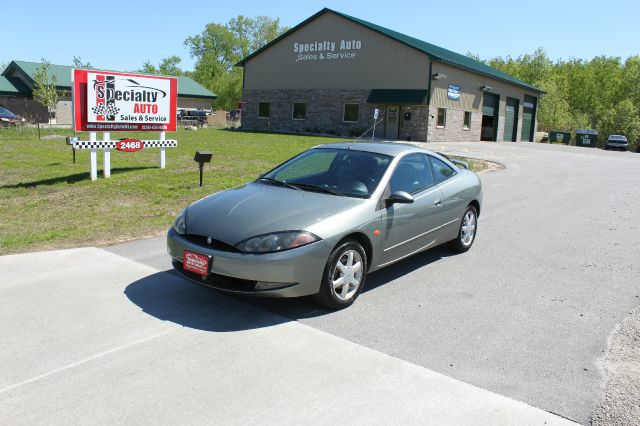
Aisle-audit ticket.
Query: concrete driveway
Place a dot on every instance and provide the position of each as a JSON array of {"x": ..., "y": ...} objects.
[{"x": 106, "y": 336}]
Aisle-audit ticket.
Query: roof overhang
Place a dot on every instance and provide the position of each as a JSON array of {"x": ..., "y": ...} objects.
[{"x": 398, "y": 96}]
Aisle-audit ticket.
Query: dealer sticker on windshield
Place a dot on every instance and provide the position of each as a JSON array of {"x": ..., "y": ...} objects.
[{"x": 198, "y": 263}]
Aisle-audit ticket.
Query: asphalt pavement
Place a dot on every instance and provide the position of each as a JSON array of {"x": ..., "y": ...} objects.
[{"x": 439, "y": 338}]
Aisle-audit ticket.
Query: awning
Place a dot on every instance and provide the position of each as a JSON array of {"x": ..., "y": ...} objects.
[{"x": 398, "y": 96}]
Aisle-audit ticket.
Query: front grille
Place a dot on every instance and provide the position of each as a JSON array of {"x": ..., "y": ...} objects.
[
  {"x": 217, "y": 281},
  {"x": 201, "y": 241}
]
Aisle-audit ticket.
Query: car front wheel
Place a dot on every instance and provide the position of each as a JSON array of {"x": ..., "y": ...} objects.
[
  {"x": 344, "y": 275},
  {"x": 467, "y": 231}
]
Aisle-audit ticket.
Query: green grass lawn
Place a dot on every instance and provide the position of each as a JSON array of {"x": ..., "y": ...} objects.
[{"x": 47, "y": 202}]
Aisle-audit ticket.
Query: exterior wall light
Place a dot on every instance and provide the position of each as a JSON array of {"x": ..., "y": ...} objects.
[
  {"x": 438, "y": 76},
  {"x": 486, "y": 88}
]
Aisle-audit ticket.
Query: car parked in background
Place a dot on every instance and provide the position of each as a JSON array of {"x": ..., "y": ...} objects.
[
  {"x": 197, "y": 117},
  {"x": 7, "y": 118},
  {"x": 318, "y": 223},
  {"x": 618, "y": 142}
]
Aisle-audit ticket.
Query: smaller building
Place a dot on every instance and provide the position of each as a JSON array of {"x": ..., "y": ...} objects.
[{"x": 18, "y": 79}]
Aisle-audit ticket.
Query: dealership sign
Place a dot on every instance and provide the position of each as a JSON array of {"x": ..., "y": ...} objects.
[
  {"x": 105, "y": 101},
  {"x": 326, "y": 50}
]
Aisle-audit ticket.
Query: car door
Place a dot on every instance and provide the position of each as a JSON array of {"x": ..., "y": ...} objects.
[
  {"x": 409, "y": 228},
  {"x": 453, "y": 203}
]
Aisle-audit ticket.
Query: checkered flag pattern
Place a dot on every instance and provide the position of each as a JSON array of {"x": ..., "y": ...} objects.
[
  {"x": 112, "y": 144},
  {"x": 103, "y": 109}
]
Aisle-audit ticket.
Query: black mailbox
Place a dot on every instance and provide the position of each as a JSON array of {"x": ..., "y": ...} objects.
[{"x": 202, "y": 157}]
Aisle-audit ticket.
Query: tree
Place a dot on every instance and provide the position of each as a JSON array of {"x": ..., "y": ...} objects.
[
  {"x": 44, "y": 88},
  {"x": 77, "y": 63},
  {"x": 220, "y": 46},
  {"x": 148, "y": 68},
  {"x": 168, "y": 66}
]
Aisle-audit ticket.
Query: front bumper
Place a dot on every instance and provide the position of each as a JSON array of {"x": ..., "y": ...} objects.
[
  {"x": 623, "y": 146},
  {"x": 297, "y": 272}
]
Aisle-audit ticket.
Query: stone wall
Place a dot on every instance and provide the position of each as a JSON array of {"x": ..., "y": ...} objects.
[
  {"x": 324, "y": 111},
  {"x": 454, "y": 130},
  {"x": 416, "y": 128}
]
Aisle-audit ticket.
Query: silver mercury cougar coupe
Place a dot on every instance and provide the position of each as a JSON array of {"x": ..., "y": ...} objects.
[{"x": 320, "y": 222}]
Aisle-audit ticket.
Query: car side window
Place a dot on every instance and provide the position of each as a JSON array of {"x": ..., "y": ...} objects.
[
  {"x": 441, "y": 170},
  {"x": 412, "y": 175}
]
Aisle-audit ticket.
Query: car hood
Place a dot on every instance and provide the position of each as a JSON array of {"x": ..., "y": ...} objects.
[{"x": 253, "y": 209}]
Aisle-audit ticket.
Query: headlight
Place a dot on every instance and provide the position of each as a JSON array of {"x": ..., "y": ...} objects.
[
  {"x": 180, "y": 223},
  {"x": 277, "y": 241}
]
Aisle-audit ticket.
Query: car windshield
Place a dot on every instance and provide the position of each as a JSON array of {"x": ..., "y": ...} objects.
[
  {"x": 340, "y": 172},
  {"x": 5, "y": 111}
]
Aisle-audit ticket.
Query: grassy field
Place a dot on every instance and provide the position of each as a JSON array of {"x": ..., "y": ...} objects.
[{"x": 46, "y": 201}]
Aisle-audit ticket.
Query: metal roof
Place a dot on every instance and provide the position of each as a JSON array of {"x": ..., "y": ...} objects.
[
  {"x": 13, "y": 86},
  {"x": 187, "y": 87},
  {"x": 434, "y": 52}
]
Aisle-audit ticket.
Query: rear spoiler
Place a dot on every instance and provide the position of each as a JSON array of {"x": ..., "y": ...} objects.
[{"x": 454, "y": 161}]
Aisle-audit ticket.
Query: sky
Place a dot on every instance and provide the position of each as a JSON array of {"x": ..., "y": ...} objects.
[{"x": 121, "y": 35}]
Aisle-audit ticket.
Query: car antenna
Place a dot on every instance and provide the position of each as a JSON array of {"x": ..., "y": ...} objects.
[{"x": 364, "y": 133}]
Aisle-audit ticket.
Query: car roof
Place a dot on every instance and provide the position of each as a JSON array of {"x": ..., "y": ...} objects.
[
  {"x": 385, "y": 147},
  {"x": 617, "y": 137}
]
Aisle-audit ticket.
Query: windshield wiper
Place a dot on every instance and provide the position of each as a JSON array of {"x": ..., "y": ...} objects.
[
  {"x": 279, "y": 182},
  {"x": 317, "y": 188}
]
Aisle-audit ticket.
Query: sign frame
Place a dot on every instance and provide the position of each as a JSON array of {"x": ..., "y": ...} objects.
[{"x": 79, "y": 94}]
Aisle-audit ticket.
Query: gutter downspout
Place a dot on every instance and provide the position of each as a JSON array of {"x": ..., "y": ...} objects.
[{"x": 429, "y": 95}]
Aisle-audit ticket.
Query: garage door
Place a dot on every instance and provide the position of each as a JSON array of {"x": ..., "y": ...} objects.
[
  {"x": 511, "y": 120},
  {"x": 528, "y": 118},
  {"x": 490, "y": 108}
]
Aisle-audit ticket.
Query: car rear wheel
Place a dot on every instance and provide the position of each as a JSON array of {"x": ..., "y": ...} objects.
[
  {"x": 344, "y": 276},
  {"x": 467, "y": 231}
]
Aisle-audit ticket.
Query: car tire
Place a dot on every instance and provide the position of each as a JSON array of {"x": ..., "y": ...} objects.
[
  {"x": 341, "y": 285},
  {"x": 466, "y": 237}
]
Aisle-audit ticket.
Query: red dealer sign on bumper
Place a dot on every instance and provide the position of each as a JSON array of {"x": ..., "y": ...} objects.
[{"x": 105, "y": 101}]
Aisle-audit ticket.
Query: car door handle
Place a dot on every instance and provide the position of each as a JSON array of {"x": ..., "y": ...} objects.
[{"x": 437, "y": 202}]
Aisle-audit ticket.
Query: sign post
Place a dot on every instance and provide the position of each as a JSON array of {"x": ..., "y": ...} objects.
[
  {"x": 162, "y": 152},
  {"x": 113, "y": 101},
  {"x": 107, "y": 156},
  {"x": 93, "y": 158}
]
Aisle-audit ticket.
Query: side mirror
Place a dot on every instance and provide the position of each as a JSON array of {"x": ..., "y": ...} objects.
[{"x": 399, "y": 197}]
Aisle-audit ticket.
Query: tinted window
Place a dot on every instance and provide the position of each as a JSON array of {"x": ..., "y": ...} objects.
[
  {"x": 441, "y": 170},
  {"x": 442, "y": 117},
  {"x": 299, "y": 111},
  {"x": 351, "y": 112},
  {"x": 263, "y": 109},
  {"x": 467, "y": 120},
  {"x": 412, "y": 174}
]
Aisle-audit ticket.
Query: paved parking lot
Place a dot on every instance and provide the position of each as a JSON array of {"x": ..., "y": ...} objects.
[{"x": 526, "y": 313}]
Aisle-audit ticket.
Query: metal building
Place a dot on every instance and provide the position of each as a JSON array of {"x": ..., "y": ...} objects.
[{"x": 328, "y": 74}]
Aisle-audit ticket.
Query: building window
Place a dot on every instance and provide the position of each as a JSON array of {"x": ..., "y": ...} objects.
[
  {"x": 351, "y": 112},
  {"x": 299, "y": 111},
  {"x": 263, "y": 109},
  {"x": 442, "y": 117},
  {"x": 467, "y": 120}
]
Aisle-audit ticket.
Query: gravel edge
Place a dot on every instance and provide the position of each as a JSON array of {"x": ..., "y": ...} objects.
[{"x": 621, "y": 403}]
